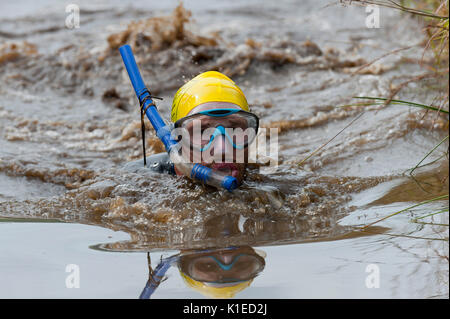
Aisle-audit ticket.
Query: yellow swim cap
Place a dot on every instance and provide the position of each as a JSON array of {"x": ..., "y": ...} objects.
[
  {"x": 215, "y": 292},
  {"x": 209, "y": 86}
]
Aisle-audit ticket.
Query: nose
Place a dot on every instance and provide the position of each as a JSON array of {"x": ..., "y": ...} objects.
[
  {"x": 226, "y": 258},
  {"x": 222, "y": 147}
]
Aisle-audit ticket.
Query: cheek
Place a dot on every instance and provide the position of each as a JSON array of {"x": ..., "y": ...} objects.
[
  {"x": 189, "y": 155},
  {"x": 240, "y": 156}
]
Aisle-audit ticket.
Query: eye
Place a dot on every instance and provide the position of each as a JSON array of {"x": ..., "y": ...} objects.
[
  {"x": 206, "y": 266},
  {"x": 235, "y": 122},
  {"x": 242, "y": 264}
]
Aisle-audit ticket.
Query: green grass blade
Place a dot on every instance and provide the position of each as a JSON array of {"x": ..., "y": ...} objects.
[
  {"x": 323, "y": 145},
  {"x": 408, "y": 208},
  {"x": 432, "y": 214},
  {"x": 427, "y": 107},
  {"x": 430, "y": 163},
  {"x": 432, "y": 224},
  {"x": 428, "y": 154}
]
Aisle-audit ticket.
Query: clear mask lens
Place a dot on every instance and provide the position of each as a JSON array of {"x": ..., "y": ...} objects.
[
  {"x": 238, "y": 127},
  {"x": 211, "y": 269}
]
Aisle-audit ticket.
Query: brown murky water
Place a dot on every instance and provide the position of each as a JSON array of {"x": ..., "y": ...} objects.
[{"x": 69, "y": 122}]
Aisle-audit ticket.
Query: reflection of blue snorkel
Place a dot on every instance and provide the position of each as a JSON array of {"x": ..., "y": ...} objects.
[
  {"x": 198, "y": 172},
  {"x": 157, "y": 276}
]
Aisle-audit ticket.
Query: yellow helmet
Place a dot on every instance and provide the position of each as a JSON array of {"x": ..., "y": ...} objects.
[
  {"x": 225, "y": 291},
  {"x": 210, "y": 86}
]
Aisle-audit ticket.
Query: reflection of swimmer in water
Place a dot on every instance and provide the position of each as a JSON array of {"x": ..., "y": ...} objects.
[
  {"x": 216, "y": 273},
  {"x": 214, "y": 112}
]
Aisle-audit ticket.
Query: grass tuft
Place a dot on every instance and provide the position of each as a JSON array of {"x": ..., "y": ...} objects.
[
  {"x": 409, "y": 208},
  {"x": 400, "y": 102}
]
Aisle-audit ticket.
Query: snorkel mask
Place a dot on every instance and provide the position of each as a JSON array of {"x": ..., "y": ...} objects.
[
  {"x": 197, "y": 172},
  {"x": 241, "y": 268},
  {"x": 237, "y": 126},
  {"x": 221, "y": 277}
]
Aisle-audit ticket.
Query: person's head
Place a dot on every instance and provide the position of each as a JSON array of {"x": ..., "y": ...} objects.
[
  {"x": 215, "y": 122},
  {"x": 221, "y": 273}
]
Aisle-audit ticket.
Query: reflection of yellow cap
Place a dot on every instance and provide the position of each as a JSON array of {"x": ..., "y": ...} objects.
[
  {"x": 215, "y": 291},
  {"x": 209, "y": 86}
]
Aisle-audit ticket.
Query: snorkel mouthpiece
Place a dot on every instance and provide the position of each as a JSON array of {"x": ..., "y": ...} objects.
[{"x": 198, "y": 172}]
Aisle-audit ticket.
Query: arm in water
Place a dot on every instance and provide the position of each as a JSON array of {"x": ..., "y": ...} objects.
[{"x": 195, "y": 171}]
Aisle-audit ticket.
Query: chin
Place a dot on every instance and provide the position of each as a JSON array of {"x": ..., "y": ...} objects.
[{"x": 234, "y": 169}]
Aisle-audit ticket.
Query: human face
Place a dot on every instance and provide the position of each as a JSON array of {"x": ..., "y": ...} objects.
[
  {"x": 224, "y": 132},
  {"x": 223, "y": 265}
]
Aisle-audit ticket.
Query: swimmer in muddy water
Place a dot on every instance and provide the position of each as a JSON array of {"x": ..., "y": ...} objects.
[
  {"x": 213, "y": 124},
  {"x": 215, "y": 273}
]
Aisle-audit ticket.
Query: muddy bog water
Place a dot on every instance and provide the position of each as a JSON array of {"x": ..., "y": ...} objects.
[{"x": 69, "y": 122}]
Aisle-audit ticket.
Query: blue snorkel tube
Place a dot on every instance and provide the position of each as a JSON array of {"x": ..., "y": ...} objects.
[{"x": 197, "y": 172}]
